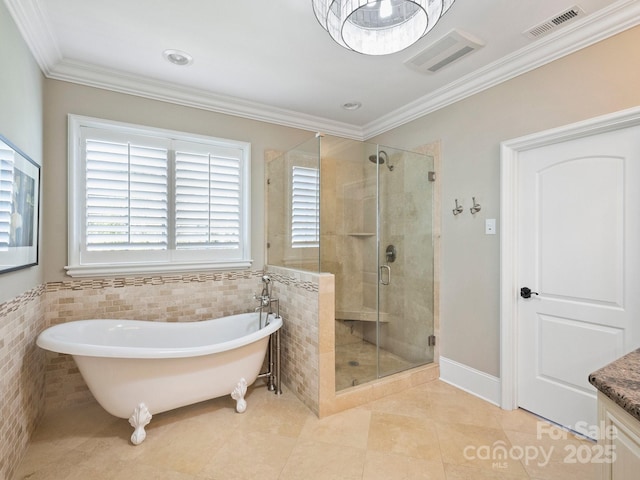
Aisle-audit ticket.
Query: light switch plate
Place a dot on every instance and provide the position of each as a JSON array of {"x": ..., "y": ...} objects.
[{"x": 490, "y": 226}]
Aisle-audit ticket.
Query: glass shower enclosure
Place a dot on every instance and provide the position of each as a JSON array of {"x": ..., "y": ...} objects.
[{"x": 362, "y": 212}]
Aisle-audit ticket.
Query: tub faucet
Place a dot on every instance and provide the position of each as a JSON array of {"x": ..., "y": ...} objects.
[
  {"x": 264, "y": 301},
  {"x": 265, "y": 295},
  {"x": 266, "y": 289}
]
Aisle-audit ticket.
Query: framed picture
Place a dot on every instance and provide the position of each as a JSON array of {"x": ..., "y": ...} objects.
[{"x": 19, "y": 208}]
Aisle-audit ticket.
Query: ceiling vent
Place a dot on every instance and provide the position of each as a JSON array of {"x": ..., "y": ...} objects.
[
  {"x": 552, "y": 24},
  {"x": 454, "y": 46}
]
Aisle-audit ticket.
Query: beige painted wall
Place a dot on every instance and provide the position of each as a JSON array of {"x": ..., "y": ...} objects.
[
  {"x": 63, "y": 98},
  {"x": 20, "y": 122},
  {"x": 600, "y": 79}
]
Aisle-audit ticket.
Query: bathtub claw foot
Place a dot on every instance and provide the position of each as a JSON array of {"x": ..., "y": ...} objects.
[
  {"x": 238, "y": 395},
  {"x": 139, "y": 419}
]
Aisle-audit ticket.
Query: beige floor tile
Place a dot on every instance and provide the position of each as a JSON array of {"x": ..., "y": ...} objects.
[
  {"x": 384, "y": 466},
  {"x": 72, "y": 426},
  {"x": 350, "y": 428},
  {"x": 555, "y": 447},
  {"x": 321, "y": 461},
  {"x": 249, "y": 455},
  {"x": 357, "y": 363},
  {"x": 278, "y": 414},
  {"x": 461, "y": 407},
  {"x": 46, "y": 461},
  {"x": 188, "y": 444},
  {"x": 564, "y": 471},
  {"x": 139, "y": 471},
  {"x": 519, "y": 420},
  {"x": 477, "y": 447},
  {"x": 403, "y": 435},
  {"x": 463, "y": 472},
  {"x": 412, "y": 402},
  {"x": 440, "y": 387},
  {"x": 421, "y": 433}
]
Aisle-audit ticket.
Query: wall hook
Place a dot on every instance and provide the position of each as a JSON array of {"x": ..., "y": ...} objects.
[
  {"x": 458, "y": 208},
  {"x": 476, "y": 207}
]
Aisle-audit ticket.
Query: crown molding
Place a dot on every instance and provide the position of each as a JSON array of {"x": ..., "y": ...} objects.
[
  {"x": 33, "y": 24},
  {"x": 35, "y": 28},
  {"x": 122, "y": 82},
  {"x": 592, "y": 29}
]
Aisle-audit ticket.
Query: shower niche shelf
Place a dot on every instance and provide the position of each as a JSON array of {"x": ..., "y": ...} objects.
[{"x": 361, "y": 234}]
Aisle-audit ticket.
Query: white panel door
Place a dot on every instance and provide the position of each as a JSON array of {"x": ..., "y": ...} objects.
[{"x": 579, "y": 233}]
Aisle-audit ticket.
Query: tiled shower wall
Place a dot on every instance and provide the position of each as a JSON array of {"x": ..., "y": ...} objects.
[{"x": 27, "y": 391}]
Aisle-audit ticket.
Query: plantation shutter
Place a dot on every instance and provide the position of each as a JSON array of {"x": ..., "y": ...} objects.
[
  {"x": 146, "y": 200},
  {"x": 208, "y": 198},
  {"x": 126, "y": 195},
  {"x": 305, "y": 218},
  {"x": 6, "y": 189}
]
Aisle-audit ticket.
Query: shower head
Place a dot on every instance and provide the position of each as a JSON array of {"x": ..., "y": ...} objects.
[
  {"x": 376, "y": 159},
  {"x": 380, "y": 160}
]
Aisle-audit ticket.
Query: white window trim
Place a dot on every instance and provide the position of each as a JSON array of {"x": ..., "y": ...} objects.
[{"x": 76, "y": 214}]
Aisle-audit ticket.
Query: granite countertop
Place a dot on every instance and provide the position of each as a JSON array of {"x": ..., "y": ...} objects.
[{"x": 620, "y": 381}]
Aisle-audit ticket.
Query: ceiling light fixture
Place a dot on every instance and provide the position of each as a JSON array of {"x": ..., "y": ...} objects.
[
  {"x": 378, "y": 27},
  {"x": 178, "y": 57},
  {"x": 351, "y": 105}
]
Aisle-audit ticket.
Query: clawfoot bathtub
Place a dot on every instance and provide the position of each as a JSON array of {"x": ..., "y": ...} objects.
[{"x": 136, "y": 369}]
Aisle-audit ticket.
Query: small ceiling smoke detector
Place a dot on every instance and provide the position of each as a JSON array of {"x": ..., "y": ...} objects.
[
  {"x": 178, "y": 57},
  {"x": 552, "y": 24},
  {"x": 453, "y": 46}
]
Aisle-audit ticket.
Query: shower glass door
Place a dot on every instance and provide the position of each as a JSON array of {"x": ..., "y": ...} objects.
[
  {"x": 376, "y": 199},
  {"x": 404, "y": 290}
]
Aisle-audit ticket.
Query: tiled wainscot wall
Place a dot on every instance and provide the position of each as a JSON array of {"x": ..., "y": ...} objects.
[
  {"x": 305, "y": 299},
  {"x": 34, "y": 381},
  {"x": 22, "y": 367}
]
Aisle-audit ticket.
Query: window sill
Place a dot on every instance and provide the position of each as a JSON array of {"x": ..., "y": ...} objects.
[{"x": 82, "y": 271}]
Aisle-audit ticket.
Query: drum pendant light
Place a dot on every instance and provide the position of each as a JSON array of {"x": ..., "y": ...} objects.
[{"x": 378, "y": 27}]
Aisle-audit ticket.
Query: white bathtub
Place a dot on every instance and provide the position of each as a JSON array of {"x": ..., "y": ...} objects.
[{"x": 138, "y": 368}]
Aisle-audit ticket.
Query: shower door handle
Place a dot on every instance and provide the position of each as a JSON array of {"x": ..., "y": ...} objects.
[{"x": 382, "y": 269}]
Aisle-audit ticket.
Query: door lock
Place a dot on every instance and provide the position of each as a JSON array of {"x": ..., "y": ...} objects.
[{"x": 525, "y": 292}]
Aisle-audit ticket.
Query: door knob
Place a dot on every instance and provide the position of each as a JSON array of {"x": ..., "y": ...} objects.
[{"x": 525, "y": 292}]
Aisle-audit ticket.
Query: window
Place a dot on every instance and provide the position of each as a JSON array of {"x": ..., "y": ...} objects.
[
  {"x": 6, "y": 188},
  {"x": 145, "y": 200},
  {"x": 305, "y": 210}
]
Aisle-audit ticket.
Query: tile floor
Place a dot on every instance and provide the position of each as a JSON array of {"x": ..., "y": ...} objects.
[
  {"x": 433, "y": 431},
  {"x": 356, "y": 363}
]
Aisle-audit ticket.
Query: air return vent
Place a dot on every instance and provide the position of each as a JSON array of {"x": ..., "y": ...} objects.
[
  {"x": 455, "y": 45},
  {"x": 553, "y": 23}
]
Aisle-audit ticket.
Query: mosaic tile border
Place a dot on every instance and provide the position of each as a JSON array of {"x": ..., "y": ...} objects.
[
  {"x": 294, "y": 278},
  {"x": 18, "y": 302},
  {"x": 121, "y": 282}
]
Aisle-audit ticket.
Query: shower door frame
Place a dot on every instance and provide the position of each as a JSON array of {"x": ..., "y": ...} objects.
[{"x": 381, "y": 215}]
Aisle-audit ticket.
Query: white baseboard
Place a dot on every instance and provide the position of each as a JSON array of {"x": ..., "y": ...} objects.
[{"x": 471, "y": 380}]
